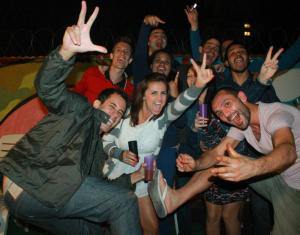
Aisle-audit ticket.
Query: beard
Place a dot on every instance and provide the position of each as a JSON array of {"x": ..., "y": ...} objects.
[{"x": 245, "y": 113}]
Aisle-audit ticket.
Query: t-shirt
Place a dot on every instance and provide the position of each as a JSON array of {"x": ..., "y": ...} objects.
[{"x": 273, "y": 117}]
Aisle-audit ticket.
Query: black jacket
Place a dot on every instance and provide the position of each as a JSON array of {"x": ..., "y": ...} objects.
[{"x": 53, "y": 158}]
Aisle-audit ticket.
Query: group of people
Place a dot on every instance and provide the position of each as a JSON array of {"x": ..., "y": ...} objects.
[{"x": 73, "y": 171}]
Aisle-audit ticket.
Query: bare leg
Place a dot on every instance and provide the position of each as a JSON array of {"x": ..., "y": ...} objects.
[
  {"x": 148, "y": 216},
  {"x": 213, "y": 219},
  {"x": 231, "y": 218},
  {"x": 175, "y": 198}
]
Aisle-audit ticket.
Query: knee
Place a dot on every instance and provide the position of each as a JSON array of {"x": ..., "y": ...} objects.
[
  {"x": 229, "y": 217},
  {"x": 213, "y": 217}
]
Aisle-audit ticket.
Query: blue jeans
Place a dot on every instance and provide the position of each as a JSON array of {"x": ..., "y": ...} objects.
[{"x": 94, "y": 202}]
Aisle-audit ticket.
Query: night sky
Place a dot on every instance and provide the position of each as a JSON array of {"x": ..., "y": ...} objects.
[{"x": 123, "y": 17}]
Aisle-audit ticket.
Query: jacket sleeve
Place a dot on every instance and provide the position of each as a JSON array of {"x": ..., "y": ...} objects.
[
  {"x": 195, "y": 41},
  {"x": 140, "y": 63},
  {"x": 109, "y": 143},
  {"x": 290, "y": 57},
  {"x": 50, "y": 84}
]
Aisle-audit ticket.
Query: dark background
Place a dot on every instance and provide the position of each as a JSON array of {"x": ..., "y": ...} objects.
[{"x": 47, "y": 19}]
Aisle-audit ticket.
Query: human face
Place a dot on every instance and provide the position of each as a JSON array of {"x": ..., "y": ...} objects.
[
  {"x": 231, "y": 110},
  {"x": 157, "y": 40},
  {"x": 238, "y": 59},
  {"x": 121, "y": 55},
  {"x": 115, "y": 107},
  {"x": 191, "y": 77},
  {"x": 211, "y": 48},
  {"x": 155, "y": 98},
  {"x": 161, "y": 64}
]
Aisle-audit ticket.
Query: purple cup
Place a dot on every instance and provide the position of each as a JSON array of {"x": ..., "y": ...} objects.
[
  {"x": 149, "y": 161},
  {"x": 203, "y": 110}
]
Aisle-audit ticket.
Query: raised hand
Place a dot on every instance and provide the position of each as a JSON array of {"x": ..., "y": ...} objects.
[
  {"x": 77, "y": 37},
  {"x": 192, "y": 16},
  {"x": 185, "y": 163},
  {"x": 270, "y": 66},
  {"x": 173, "y": 86},
  {"x": 204, "y": 75},
  {"x": 236, "y": 167},
  {"x": 153, "y": 20}
]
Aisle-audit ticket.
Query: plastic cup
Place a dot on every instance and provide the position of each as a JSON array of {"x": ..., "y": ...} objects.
[
  {"x": 149, "y": 161},
  {"x": 203, "y": 110}
]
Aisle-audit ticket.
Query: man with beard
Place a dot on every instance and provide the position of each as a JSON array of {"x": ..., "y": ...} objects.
[
  {"x": 241, "y": 79},
  {"x": 273, "y": 130}
]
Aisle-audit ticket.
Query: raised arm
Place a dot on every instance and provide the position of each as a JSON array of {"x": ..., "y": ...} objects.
[
  {"x": 195, "y": 38},
  {"x": 57, "y": 66},
  {"x": 77, "y": 37},
  {"x": 187, "y": 97}
]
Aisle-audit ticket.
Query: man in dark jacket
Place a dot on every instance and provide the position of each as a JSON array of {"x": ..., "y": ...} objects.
[{"x": 52, "y": 174}]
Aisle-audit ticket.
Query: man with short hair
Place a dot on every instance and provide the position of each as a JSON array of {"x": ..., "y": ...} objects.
[
  {"x": 94, "y": 80},
  {"x": 272, "y": 129},
  {"x": 52, "y": 175}
]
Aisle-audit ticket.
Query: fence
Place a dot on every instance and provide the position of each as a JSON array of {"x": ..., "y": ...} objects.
[{"x": 25, "y": 42}]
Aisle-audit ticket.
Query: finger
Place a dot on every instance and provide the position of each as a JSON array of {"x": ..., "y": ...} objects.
[
  {"x": 93, "y": 17},
  {"x": 176, "y": 77},
  {"x": 82, "y": 14},
  {"x": 100, "y": 49},
  {"x": 74, "y": 33},
  {"x": 231, "y": 152},
  {"x": 277, "y": 54},
  {"x": 269, "y": 54},
  {"x": 203, "y": 65},
  {"x": 195, "y": 66},
  {"x": 223, "y": 160},
  {"x": 160, "y": 20}
]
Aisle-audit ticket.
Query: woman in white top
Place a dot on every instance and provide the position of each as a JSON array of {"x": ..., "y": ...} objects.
[{"x": 147, "y": 122}]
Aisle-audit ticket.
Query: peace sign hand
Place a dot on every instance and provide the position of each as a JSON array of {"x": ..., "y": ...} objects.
[
  {"x": 77, "y": 37},
  {"x": 270, "y": 66},
  {"x": 204, "y": 75}
]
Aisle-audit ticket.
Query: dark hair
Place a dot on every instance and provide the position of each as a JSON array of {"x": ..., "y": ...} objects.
[
  {"x": 161, "y": 27},
  {"x": 208, "y": 37},
  {"x": 139, "y": 93},
  {"x": 232, "y": 44},
  {"x": 105, "y": 94},
  {"x": 151, "y": 59},
  {"x": 227, "y": 89},
  {"x": 126, "y": 40}
]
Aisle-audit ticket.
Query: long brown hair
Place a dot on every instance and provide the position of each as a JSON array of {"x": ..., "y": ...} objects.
[{"x": 139, "y": 93}]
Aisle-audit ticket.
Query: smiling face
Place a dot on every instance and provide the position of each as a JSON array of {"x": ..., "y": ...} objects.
[
  {"x": 237, "y": 58},
  {"x": 115, "y": 107},
  {"x": 230, "y": 109},
  {"x": 161, "y": 63},
  {"x": 155, "y": 98},
  {"x": 212, "y": 49},
  {"x": 121, "y": 55},
  {"x": 157, "y": 40}
]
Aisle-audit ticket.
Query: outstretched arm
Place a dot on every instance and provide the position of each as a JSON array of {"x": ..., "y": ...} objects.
[{"x": 237, "y": 167}]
